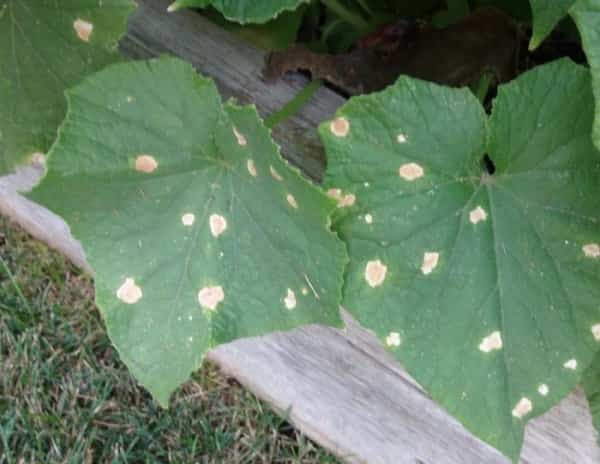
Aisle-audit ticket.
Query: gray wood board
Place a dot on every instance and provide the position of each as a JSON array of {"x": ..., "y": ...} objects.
[{"x": 339, "y": 387}]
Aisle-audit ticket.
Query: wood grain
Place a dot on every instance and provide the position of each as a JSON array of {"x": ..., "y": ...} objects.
[{"x": 338, "y": 386}]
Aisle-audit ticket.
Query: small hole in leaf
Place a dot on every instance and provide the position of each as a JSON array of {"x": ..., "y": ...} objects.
[{"x": 488, "y": 165}]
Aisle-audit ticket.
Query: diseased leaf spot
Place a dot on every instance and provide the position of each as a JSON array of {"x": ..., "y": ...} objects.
[
  {"x": 130, "y": 99},
  {"x": 523, "y": 407},
  {"x": 477, "y": 215},
  {"x": 592, "y": 250},
  {"x": 292, "y": 201},
  {"x": 369, "y": 218},
  {"x": 290, "y": 299},
  {"x": 430, "y": 262},
  {"x": 543, "y": 389},
  {"x": 402, "y": 138},
  {"x": 275, "y": 174},
  {"x": 251, "y": 168},
  {"x": 241, "y": 139},
  {"x": 343, "y": 200},
  {"x": 188, "y": 219},
  {"x": 210, "y": 297},
  {"x": 393, "y": 340},
  {"x": 218, "y": 224},
  {"x": 340, "y": 127},
  {"x": 571, "y": 364},
  {"x": 304, "y": 291},
  {"x": 146, "y": 163},
  {"x": 411, "y": 171},
  {"x": 492, "y": 342},
  {"x": 596, "y": 332},
  {"x": 129, "y": 292},
  {"x": 83, "y": 29},
  {"x": 375, "y": 272}
]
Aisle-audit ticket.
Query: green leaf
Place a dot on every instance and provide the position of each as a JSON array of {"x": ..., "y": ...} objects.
[
  {"x": 546, "y": 15},
  {"x": 591, "y": 385},
  {"x": 586, "y": 14},
  {"x": 47, "y": 46},
  {"x": 485, "y": 287},
  {"x": 197, "y": 230},
  {"x": 243, "y": 11}
]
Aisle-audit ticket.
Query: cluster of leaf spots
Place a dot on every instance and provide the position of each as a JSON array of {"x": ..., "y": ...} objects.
[
  {"x": 47, "y": 46},
  {"x": 197, "y": 230},
  {"x": 485, "y": 287}
]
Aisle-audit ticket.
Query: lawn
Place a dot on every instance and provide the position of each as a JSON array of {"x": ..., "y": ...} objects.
[{"x": 65, "y": 397}]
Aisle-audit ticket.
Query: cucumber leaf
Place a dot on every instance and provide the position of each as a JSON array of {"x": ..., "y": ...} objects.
[
  {"x": 591, "y": 386},
  {"x": 546, "y": 15},
  {"x": 47, "y": 46},
  {"x": 197, "y": 230},
  {"x": 485, "y": 286},
  {"x": 243, "y": 11}
]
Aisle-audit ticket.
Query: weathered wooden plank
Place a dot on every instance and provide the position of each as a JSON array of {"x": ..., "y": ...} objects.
[{"x": 343, "y": 389}]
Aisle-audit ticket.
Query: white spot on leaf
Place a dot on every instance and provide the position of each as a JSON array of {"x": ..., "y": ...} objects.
[
  {"x": 218, "y": 224},
  {"x": 129, "y": 292},
  {"x": 523, "y": 407},
  {"x": 368, "y": 218},
  {"x": 210, "y": 297},
  {"x": 596, "y": 332},
  {"x": 251, "y": 168},
  {"x": 402, "y": 138},
  {"x": 571, "y": 364},
  {"x": 290, "y": 299},
  {"x": 275, "y": 174},
  {"x": 543, "y": 389},
  {"x": 188, "y": 219},
  {"x": 477, "y": 215},
  {"x": 393, "y": 339},
  {"x": 291, "y": 200},
  {"x": 343, "y": 200},
  {"x": 304, "y": 291},
  {"x": 340, "y": 127},
  {"x": 84, "y": 29},
  {"x": 375, "y": 272},
  {"x": 592, "y": 250},
  {"x": 145, "y": 163},
  {"x": 241, "y": 140},
  {"x": 411, "y": 171},
  {"x": 430, "y": 262},
  {"x": 492, "y": 342}
]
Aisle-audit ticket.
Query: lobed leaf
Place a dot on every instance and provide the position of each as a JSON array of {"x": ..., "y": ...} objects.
[
  {"x": 546, "y": 15},
  {"x": 484, "y": 286},
  {"x": 47, "y": 46},
  {"x": 243, "y": 11},
  {"x": 197, "y": 230}
]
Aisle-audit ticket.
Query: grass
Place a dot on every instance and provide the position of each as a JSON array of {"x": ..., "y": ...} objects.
[{"x": 66, "y": 398}]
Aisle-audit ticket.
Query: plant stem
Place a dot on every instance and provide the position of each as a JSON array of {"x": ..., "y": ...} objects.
[
  {"x": 482, "y": 87},
  {"x": 294, "y": 105},
  {"x": 350, "y": 17}
]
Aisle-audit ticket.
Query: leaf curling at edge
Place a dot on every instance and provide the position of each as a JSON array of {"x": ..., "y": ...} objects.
[
  {"x": 198, "y": 232},
  {"x": 44, "y": 49},
  {"x": 484, "y": 287},
  {"x": 243, "y": 11}
]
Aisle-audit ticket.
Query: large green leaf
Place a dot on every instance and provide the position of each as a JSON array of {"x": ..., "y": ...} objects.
[
  {"x": 591, "y": 385},
  {"x": 243, "y": 11},
  {"x": 546, "y": 15},
  {"x": 47, "y": 46},
  {"x": 198, "y": 232},
  {"x": 586, "y": 14},
  {"x": 485, "y": 287}
]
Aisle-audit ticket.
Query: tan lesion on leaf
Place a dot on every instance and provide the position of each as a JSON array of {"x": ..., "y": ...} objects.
[
  {"x": 411, "y": 171},
  {"x": 492, "y": 342},
  {"x": 543, "y": 389},
  {"x": 290, "y": 299},
  {"x": 274, "y": 174},
  {"x": 340, "y": 127},
  {"x": 591, "y": 250},
  {"x": 251, "y": 168},
  {"x": 375, "y": 272},
  {"x": 211, "y": 297},
  {"x": 241, "y": 138},
  {"x": 522, "y": 408},
  {"x": 292, "y": 200},
  {"x": 393, "y": 340},
  {"x": 596, "y": 332},
  {"x": 188, "y": 219},
  {"x": 344, "y": 200},
  {"x": 217, "y": 224},
  {"x": 477, "y": 215},
  {"x": 129, "y": 292},
  {"x": 83, "y": 29},
  {"x": 430, "y": 262},
  {"x": 571, "y": 364},
  {"x": 146, "y": 163}
]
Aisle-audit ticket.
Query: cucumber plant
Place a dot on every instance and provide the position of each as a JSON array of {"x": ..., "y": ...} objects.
[{"x": 468, "y": 242}]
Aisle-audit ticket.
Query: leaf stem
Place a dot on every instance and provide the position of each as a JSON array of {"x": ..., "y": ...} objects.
[
  {"x": 347, "y": 15},
  {"x": 294, "y": 105}
]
